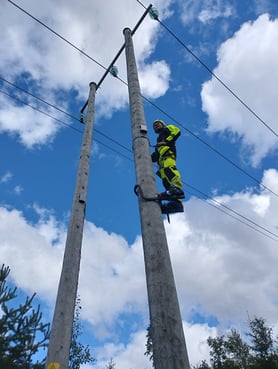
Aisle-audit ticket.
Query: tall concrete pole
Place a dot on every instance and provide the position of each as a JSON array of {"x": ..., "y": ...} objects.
[
  {"x": 169, "y": 347},
  {"x": 62, "y": 324}
]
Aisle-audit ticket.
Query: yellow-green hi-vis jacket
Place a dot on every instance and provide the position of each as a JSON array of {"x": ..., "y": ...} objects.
[{"x": 169, "y": 135}]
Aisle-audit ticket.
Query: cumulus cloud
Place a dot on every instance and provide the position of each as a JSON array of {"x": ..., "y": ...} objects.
[
  {"x": 222, "y": 267},
  {"x": 246, "y": 63},
  {"x": 116, "y": 274},
  {"x": 6, "y": 177},
  {"x": 215, "y": 12},
  {"x": 18, "y": 190},
  {"x": 35, "y": 264},
  {"x": 31, "y": 127},
  {"x": 154, "y": 79},
  {"x": 205, "y": 11},
  {"x": 133, "y": 352},
  {"x": 124, "y": 355},
  {"x": 50, "y": 67}
]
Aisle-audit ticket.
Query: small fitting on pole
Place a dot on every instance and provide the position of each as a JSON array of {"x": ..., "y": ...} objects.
[
  {"x": 114, "y": 71},
  {"x": 81, "y": 118},
  {"x": 153, "y": 12}
]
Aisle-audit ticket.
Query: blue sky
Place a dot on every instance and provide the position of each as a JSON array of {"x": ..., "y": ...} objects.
[{"x": 223, "y": 268}]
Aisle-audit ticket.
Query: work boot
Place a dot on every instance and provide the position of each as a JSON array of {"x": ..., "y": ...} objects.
[
  {"x": 171, "y": 193},
  {"x": 172, "y": 207}
]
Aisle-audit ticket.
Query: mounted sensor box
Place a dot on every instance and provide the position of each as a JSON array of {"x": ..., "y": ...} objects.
[{"x": 143, "y": 129}]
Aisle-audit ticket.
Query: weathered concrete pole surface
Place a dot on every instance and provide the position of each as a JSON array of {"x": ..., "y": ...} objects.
[
  {"x": 169, "y": 347},
  {"x": 62, "y": 324}
]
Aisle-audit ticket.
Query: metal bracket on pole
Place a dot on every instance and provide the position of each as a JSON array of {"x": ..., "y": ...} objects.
[{"x": 139, "y": 192}]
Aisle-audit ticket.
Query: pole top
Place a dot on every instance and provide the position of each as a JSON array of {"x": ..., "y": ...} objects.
[{"x": 126, "y": 29}]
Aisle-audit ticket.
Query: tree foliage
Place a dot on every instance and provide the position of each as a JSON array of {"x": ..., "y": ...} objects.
[
  {"x": 149, "y": 345},
  {"x": 22, "y": 331},
  {"x": 111, "y": 364},
  {"x": 231, "y": 352},
  {"x": 79, "y": 353}
]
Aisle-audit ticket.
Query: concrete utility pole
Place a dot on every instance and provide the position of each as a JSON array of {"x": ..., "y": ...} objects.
[
  {"x": 62, "y": 324},
  {"x": 169, "y": 347}
]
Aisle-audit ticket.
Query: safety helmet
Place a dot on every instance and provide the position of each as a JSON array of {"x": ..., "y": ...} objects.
[
  {"x": 157, "y": 130},
  {"x": 160, "y": 121}
]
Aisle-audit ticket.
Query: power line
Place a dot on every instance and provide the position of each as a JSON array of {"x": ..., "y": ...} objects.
[
  {"x": 211, "y": 147},
  {"x": 234, "y": 217},
  {"x": 57, "y": 34},
  {"x": 214, "y": 75},
  {"x": 70, "y": 126},
  {"x": 234, "y": 212},
  {"x": 116, "y": 142},
  {"x": 268, "y": 234},
  {"x": 38, "y": 110},
  {"x": 60, "y": 110},
  {"x": 166, "y": 114}
]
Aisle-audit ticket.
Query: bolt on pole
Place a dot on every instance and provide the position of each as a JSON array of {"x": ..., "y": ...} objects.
[
  {"x": 62, "y": 324},
  {"x": 169, "y": 347}
]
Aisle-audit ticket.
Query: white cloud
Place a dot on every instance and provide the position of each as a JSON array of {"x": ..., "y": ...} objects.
[
  {"x": 246, "y": 63},
  {"x": 222, "y": 268},
  {"x": 116, "y": 274},
  {"x": 154, "y": 79},
  {"x": 196, "y": 340},
  {"x": 31, "y": 53},
  {"x": 29, "y": 125},
  {"x": 221, "y": 265},
  {"x": 35, "y": 264},
  {"x": 124, "y": 355},
  {"x": 18, "y": 190},
  {"x": 133, "y": 352},
  {"x": 6, "y": 177},
  {"x": 217, "y": 11},
  {"x": 204, "y": 10}
]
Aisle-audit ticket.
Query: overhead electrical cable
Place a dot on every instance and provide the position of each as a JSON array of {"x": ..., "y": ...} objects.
[
  {"x": 61, "y": 111},
  {"x": 193, "y": 134},
  {"x": 56, "y": 34},
  {"x": 71, "y": 44},
  {"x": 234, "y": 217},
  {"x": 213, "y": 74},
  {"x": 166, "y": 114},
  {"x": 211, "y": 147},
  {"x": 69, "y": 126},
  {"x": 220, "y": 205}
]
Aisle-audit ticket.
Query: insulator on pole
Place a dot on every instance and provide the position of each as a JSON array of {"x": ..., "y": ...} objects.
[
  {"x": 153, "y": 12},
  {"x": 81, "y": 118},
  {"x": 114, "y": 71}
]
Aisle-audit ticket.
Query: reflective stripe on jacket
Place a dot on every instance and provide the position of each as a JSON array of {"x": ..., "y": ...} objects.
[{"x": 169, "y": 135}]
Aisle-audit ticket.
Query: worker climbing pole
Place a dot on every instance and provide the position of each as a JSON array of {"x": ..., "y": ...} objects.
[
  {"x": 166, "y": 330},
  {"x": 165, "y": 156},
  {"x": 169, "y": 348}
]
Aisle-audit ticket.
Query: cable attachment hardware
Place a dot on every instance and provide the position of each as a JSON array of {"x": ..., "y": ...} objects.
[
  {"x": 153, "y": 13},
  {"x": 81, "y": 118},
  {"x": 172, "y": 206},
  {"x": 114, "y": 71},
  {"x": 138, "y": 191}
]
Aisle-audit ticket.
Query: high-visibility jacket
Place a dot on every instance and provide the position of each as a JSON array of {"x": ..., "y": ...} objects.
[{"x": 168, "y": 134}]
